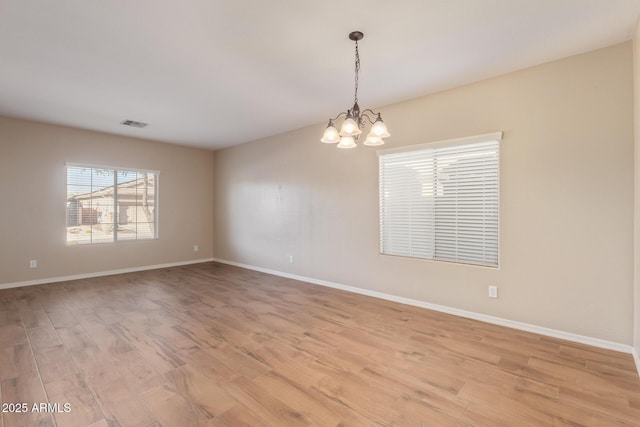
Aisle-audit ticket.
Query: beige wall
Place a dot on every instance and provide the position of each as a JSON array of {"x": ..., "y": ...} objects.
[
  {"x": 33, "y": 195},
  {"x": 566, "y": 199}
]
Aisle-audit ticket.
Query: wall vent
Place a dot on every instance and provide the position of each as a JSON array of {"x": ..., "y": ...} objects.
[{"x": 133, "y": 123}]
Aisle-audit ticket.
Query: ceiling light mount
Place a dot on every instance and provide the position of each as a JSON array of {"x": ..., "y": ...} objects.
[
  {"x": 356, "y": 35},
  {"x": 355, "y": 119}
]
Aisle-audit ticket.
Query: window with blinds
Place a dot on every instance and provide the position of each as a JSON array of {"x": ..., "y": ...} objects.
[
  {"x": 106, "y": 204},
  {"x": 441, "y": 200}
]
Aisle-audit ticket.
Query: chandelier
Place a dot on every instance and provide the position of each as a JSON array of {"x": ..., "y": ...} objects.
[{"x": 355, "y": 120}]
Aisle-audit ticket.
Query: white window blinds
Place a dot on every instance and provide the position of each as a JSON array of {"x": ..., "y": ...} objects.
[
  {"x": 441, "y": 201},
  {"x": 107, "y": 204}
]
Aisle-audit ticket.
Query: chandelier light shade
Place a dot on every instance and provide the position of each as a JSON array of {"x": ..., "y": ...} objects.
[
  {"x": 347, "y": 142},
  {"x": 331, "y": 135},
  {"x": 354, "y": 119}
]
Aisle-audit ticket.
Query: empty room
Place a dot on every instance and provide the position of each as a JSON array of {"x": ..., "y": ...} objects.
[{"x": 294, "y": 213}]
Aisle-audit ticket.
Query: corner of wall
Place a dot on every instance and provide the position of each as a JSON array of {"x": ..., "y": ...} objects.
[{"x": 636, "y": 214}]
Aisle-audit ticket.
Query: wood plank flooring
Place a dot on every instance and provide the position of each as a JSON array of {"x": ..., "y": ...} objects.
[{"x": 214, "y": 345}]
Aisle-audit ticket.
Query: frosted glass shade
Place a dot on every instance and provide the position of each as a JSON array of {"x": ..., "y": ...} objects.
[
  {"x": 379, "y": 129},
  {"x": 347, "y": 142},
  {"x": 349, "y": 128},
  {"x": 373, "y": 140},
  {"x": 331, "y": 135}
]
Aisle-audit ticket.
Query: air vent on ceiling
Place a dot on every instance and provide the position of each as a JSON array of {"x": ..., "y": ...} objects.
[{"x": 133, "y": 123}]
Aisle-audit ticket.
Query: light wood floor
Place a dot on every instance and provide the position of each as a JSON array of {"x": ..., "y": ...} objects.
[{"x": 217, "y": 345}]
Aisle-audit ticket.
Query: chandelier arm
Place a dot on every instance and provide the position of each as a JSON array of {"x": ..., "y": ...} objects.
[
  {"x": 364, "y": 114},
  {"x": 339, "y": 115}
]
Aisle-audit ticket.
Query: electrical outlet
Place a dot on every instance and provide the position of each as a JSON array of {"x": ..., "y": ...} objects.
[
  {"x": 290, "y": 259},
  {"x": 493, "y": 291},
  {"x": 196, "y": 248},
  {"x": 33, "y": 263}
]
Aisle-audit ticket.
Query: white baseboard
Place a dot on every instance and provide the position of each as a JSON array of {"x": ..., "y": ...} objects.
[
  {"x": 596, "y": 342},
  {"x": 100, "y": 273},
  {"x": 636, "y": 357}
]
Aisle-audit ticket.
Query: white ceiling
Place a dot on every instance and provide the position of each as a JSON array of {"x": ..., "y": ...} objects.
[{"x": 214, "y": 73}]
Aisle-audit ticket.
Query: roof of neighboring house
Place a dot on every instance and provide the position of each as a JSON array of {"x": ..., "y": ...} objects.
[{"x": 128, "y": 191}]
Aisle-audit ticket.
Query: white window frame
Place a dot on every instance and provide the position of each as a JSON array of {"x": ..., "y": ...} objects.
[
  {"x": 156, "y": 210},
  {"x": 420, "y": 240}
]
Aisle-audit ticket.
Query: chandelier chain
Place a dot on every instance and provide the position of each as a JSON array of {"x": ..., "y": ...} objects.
[{"x": 357, "y": 71}]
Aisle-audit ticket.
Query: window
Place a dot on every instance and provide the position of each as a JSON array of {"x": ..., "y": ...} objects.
[
  {"x": 440, "y": 201},
  {"x": 106, "y": 204}
]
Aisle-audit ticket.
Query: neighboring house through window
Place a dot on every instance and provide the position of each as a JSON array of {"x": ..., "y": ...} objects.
[
  {"x": 440, "y": 200},
  {"x": 108, "y": 204}
]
